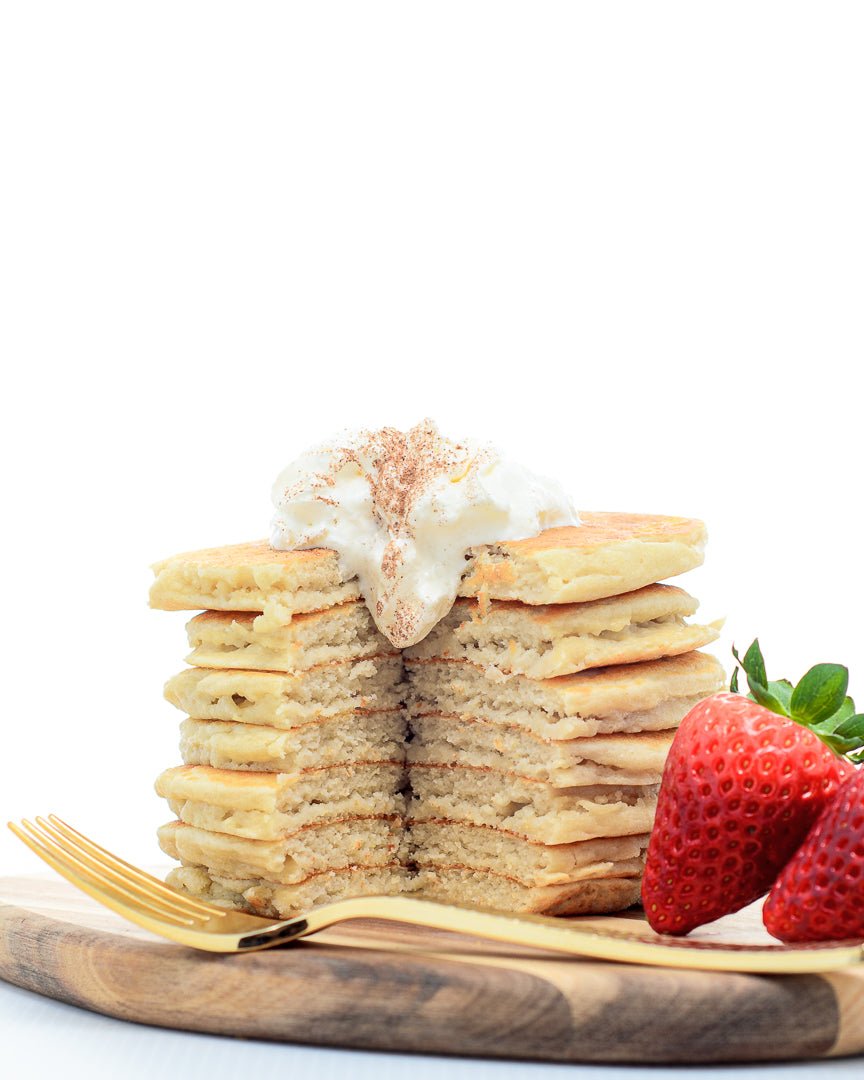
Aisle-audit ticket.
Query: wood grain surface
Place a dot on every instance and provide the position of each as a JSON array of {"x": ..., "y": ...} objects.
[{"x": 376, "y": 985}]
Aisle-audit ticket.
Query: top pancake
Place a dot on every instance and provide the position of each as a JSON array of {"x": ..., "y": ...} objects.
[{"x": 606, "y": 555}]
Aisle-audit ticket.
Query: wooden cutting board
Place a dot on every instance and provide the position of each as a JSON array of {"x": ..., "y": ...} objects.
[{"x": 381, "y": 986}]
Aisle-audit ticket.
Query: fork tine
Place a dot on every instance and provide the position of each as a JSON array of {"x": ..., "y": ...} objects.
[
  {"x": 98, "y": 882},
  {"x": 87, "y": 884},
  {"x": 114, "y": 878},
  {"x": 130, "y": 873}
]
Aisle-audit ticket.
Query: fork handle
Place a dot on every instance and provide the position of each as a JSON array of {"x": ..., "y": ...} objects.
[{"x": 558, "y": 935}]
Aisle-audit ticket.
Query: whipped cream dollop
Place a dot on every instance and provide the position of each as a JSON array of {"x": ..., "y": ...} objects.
[{"x": 402, "y": 509}]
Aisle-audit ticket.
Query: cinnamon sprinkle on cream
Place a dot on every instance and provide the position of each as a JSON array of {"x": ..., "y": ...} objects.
[{"x": 403, "y": 509}]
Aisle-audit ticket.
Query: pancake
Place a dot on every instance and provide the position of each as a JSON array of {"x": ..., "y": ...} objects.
[
  {"x": 529, "y": 808},
  {"x": 608, "y": 554},
  {"x": 351, "y": 737},
  {"x": 274, "y": 901},
  {"x": 327, "y": 846},
  {"x": 251, "y": 577},
  {"x": 603, "y": 759},
  {"x": 651, "y": 696},
  {"x": 279, "y": 700},
  {"x": 448, "y": 844},
  {"x": 543, "y": 642},
  {"x": 220, "y": 639},
  {"x": 456, "y": 886},
  {"x": 462, "y": 886},
  {"x": 270, "y": 806}
]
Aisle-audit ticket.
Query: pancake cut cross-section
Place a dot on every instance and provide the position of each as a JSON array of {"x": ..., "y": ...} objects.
[{"x": 511, "y": 758}]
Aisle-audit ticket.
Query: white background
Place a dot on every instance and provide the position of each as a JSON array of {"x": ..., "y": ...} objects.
[{"x": 622, "y": 240}]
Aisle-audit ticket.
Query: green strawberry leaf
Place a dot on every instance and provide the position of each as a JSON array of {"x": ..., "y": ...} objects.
[
  {"x": 754, "y": 665},
  {"x": 846, "y": 710},
  {"x": 843, "y": 747},
  {"x": 782, "y": 691},
  {"x": 819, "y": 701},
  {"x": 773, "y": 696},
  {"x": 765, "y": 698},
  {"x": 820, "y": 693},
  {"x": 851, "y": 728},
  {"x": 843, "y": 737},
  {"x": 829, "y": 726}
]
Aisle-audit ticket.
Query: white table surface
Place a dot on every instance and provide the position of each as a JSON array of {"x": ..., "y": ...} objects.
[{"x": 42, "y": 1038}]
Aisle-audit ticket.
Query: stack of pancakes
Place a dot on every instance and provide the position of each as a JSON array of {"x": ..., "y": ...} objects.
[
  {"x": 292, "y": 791},
  {"x": 539, "y": 713}
]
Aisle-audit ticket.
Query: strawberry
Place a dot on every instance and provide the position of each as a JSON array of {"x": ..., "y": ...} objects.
[
  {"x": 745, "y": 780},
  {"x": 819, "y": 894}
]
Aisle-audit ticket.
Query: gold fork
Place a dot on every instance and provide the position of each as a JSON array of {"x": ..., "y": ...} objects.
[{"x": 155, "y": 906}]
